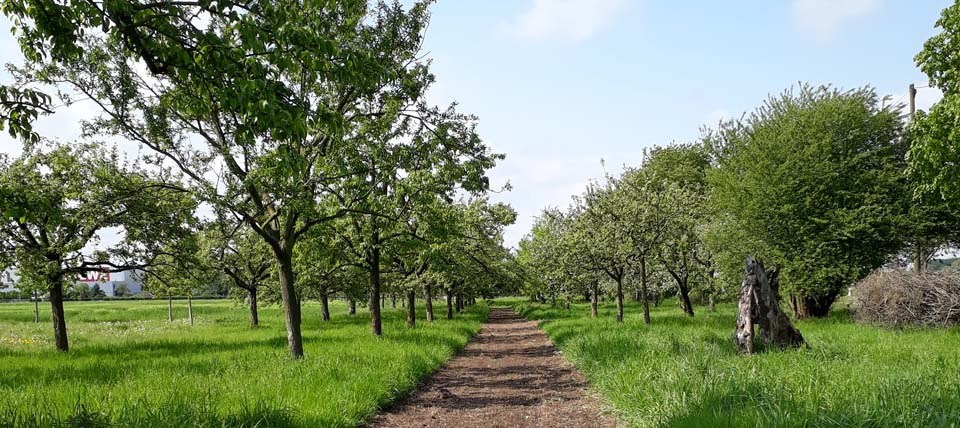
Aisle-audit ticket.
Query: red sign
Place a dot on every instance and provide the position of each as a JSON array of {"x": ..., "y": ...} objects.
[{"x": 93, "y": 277}]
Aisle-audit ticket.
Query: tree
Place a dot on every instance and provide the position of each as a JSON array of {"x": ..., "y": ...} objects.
[
  {"x": 85, "y": 291},
  {"x": 19, "y": 107},
  {"x": 279, "y": 96},
  {"x": 180, "y": 268},
  {"x": 556, "y": 260},
  {"x": 598, "y": 223},
  {"x": 322, "y": 267},
  {"x": 678, "y": 176},
  {"x": 233, "y": 249},
  {"x": 475, "y": 259},
  {"x": 122, "y": 290},
  {"x": 934, "y": 154},
  {"x": 935, "y": 148},
  {"x": 811, "y": 179},
  {"x": 54, "y": 201},
  {"x": 410, "y": 164},
  {"x": 638, "y": 206}
]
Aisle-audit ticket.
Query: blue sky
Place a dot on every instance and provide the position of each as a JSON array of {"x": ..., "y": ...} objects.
[{"x": 559, "y": 85}]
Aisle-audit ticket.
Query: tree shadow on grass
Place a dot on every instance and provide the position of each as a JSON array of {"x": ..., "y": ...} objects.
[
  {"x": 100, "y": 364},
  {"x": 169, "y": 414},
  {"x": 103, "y": 364}
]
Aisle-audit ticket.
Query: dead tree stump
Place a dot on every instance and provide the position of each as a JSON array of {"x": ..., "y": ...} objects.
[{"x": 760, "y": 305}]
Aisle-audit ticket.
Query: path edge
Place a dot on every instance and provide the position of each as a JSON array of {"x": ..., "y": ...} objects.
[{"x": 402, "y": 399}]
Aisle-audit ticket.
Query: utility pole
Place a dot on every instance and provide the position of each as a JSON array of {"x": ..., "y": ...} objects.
[
  {"x": 913, "y": 101},
  {"x": 918, "y": 257}
]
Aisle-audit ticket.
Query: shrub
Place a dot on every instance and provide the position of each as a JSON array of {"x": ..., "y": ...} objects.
[{"x": 901, "y": 298}]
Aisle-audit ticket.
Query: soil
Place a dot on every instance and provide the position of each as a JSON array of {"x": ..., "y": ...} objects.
[{"x": 509, "y": 375}]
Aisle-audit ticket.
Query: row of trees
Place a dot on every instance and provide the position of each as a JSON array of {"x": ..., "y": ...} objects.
[
  {"x": 302, "y": 127},
  {"x": 816, "y": 179}
]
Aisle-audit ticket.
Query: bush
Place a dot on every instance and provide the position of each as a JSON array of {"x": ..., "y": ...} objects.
[
  {"x": 83, "y": 291},
  {"x": 122, "y": 290},
  {"x": 15, "y": 294},
  {"x": 901, "y": 298}
]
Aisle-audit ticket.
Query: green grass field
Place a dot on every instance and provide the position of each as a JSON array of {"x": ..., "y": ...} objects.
[
  {"x": 129, "y": 367},
  {"x": 684, "y": 372}
]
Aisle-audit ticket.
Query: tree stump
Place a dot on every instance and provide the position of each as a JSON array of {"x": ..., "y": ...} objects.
[{"x": 760, "y": 305}]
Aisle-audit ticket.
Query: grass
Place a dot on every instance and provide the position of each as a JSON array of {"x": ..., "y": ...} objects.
[
  {"x": 684, "y": 372},
  {"x": 129, "y": 367}
]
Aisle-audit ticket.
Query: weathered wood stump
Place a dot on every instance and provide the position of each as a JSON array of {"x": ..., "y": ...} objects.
[{"x": 760, "y": 305}]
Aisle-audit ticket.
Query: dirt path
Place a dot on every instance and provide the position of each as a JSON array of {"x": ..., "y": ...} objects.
[{"x": 509, "y": 375}]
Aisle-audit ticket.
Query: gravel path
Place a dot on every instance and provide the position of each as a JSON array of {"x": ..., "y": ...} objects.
[{"x": 509, "y": 375}]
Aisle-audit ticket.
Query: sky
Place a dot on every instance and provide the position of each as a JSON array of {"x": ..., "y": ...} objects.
[{"x": 570, "y": 90}]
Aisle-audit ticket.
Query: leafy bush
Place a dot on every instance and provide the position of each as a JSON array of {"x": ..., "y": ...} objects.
[
  {"x": 900, "y": 298},
  {"x": 15, "y": 294},
  {"x": 83, "y": 291},
  {"x": 814, "y": 180},
  {"x": 122, "y": 290}
]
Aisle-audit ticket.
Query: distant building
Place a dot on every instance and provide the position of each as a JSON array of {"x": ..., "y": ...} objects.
[
  {"x": 112, "y": 284},
  {"x": 7, "y": 281}
]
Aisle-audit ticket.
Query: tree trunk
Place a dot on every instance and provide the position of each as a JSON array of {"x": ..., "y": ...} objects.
[
  {"x": 411, "y": 308},
  {"x": 36, "y": 307},
  {"x": 449, "y": 304},
  {"x": 393, "y": 300},
  {"x": 656, "y": 299},
  {"x": 57, "y": 314},
  {"x": 428, "y": 301},
  {"x": 324, "y": 305},
  {"x": 743, "y": 333},
  {"x": 760, "y": 304},
  {"x": 352, "y": 306},
  {"x": 636, "y": 295},
  {"x": 620, "y": 299},
  {"x": 291, "y": 303},
  {"x": 594, "y": 295},
  {"x": 190, "y": 309},
  {"x": 254, "y": 319},
  {"x": 459, "y": 303},
  {"x": 376, "y": 324},
  {"x": 169, "y": 308},
  {"x": 805, "y": 307},
  {"x": 918, "y": 258},
  {"x": 712, "y": 292},
  {"x": 684, "y": 296},
  {"x": 643, "y": 290}
]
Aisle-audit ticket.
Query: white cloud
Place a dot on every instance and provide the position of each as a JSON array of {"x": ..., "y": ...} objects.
[
  {"x": 567, "y": 19},
  {"x": 823, "y": 18}
]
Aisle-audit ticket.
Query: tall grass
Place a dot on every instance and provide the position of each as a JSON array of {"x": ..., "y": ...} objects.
[
  {"x": 129, "y": 367},
  {"x": 684, "y": 372}
]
